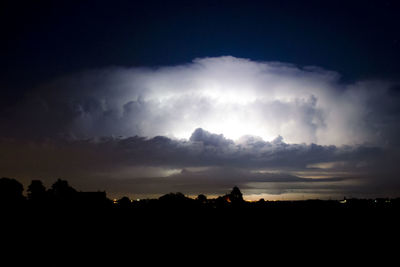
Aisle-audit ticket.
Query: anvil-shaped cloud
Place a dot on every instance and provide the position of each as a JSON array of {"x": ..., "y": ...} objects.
[{"x": 226, "y": 95}]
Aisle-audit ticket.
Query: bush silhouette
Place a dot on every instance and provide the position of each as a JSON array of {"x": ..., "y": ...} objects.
[
  {"x": 124, "y": 203},
  {"x": 202, "y": 199}
]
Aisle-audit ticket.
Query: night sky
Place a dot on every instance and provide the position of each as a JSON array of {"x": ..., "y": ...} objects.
[{"x": 285, "y": 99}]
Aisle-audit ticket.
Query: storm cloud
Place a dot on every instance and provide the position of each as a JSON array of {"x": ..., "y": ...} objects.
[
  {"x": 225, "y": 95},
  {"x": 268, "y": 127}
]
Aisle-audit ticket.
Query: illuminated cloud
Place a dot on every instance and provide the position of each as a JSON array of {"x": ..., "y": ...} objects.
[{"x": 224, "y": 95}]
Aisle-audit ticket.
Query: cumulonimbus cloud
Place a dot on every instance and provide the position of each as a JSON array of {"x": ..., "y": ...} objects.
[
  {"x": 209, "y": 124},
  {"x": 225, "y": 95}
]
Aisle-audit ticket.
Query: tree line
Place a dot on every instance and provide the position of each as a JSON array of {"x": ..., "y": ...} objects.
[{"x": 61, "y": 195}]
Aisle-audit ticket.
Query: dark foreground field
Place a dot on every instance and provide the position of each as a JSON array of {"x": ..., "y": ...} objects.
[
  {"x": 67, "y": 223},
  {"x": 244, "y": 233}
]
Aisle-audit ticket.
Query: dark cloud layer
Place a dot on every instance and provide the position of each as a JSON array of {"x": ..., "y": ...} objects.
[
  {"x": 207, "y": 163},
  {"x": 207, "y": 149}
]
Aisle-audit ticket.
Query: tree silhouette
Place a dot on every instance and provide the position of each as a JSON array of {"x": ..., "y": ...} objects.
[
  {"x": 61, "y": 191},
  {"x": 10, "y": 191},
  {"x": 236, "y": 197},
  {"x": 36, "y": 191}
]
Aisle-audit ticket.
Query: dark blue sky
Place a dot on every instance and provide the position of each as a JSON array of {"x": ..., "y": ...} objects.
[{"x": 44, "y": 39}]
